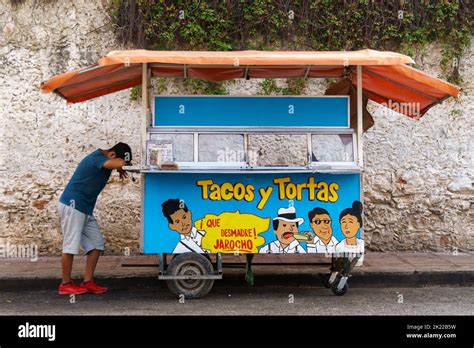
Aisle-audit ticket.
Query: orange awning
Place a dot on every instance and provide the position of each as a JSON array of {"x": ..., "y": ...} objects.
[{"x": 386, "y": 76}]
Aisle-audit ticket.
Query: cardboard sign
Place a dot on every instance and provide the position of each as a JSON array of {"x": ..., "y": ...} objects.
[{"x": 159, "y": 151}]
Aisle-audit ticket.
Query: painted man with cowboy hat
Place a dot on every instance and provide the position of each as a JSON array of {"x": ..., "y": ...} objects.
[{"x": 285, "y": 226}]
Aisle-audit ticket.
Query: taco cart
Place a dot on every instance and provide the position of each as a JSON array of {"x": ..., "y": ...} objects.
[{"x": 205, "y": 189}]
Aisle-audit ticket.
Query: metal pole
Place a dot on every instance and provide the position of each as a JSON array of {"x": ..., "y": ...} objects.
[
  {"x": 360, "y": 154},
  {"x": 144, "y": 122},
  {"x": 145, "y": 114}
]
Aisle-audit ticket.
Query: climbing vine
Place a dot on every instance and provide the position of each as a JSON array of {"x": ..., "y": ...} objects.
[
  {"x": 192, "y": 86},
  {"x": 406, "y": 26},
  {"x": 294, "y": 86}
]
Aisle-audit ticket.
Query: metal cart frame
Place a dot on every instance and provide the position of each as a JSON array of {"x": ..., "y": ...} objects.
[
  {"x": 387, "y": 76},
  {"x": 340, "y": 269}
]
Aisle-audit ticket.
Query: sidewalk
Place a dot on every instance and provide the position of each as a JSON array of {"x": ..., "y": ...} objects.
[{"x": 379, "y": 269}]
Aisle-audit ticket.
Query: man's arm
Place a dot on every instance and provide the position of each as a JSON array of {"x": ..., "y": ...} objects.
[{"x": 116, "y": 163}]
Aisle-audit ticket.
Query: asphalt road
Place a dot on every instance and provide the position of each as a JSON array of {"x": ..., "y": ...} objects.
[{"x": 231, "y": 299}]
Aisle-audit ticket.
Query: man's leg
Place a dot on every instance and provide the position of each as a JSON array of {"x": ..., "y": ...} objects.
[
  {"x": 72, "y": 224},
  {"x": 66, "y": 264},
  {"x": 91, "y": 263},
  {"x": 93, "y": 244}
]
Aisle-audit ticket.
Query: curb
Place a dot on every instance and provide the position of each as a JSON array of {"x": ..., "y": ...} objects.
[{"x": 359, "y": 279}]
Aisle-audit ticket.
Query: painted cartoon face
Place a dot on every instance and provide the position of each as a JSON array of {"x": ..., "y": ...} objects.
[
  {"x": 321, "y": 225},
  {"x": 285, "y": 231},
  {"x": 349, "y": 225},
  {"x": 182, "y": 222}
]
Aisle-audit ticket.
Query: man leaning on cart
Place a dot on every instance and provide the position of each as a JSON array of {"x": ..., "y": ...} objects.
[{"x": 78, "y": 225}]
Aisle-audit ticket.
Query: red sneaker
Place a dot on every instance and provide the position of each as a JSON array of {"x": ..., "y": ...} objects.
[
  {"x": 93, "y": 288},
  {"x": 71, "y": 289}
]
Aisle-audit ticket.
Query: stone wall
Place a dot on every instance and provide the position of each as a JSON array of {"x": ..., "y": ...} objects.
[
  {"x": 418, "y": 182},
  {"x": 43, "y": 139}
]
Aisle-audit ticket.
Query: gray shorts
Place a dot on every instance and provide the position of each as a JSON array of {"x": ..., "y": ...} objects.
[{"x": 79, "y": 229}]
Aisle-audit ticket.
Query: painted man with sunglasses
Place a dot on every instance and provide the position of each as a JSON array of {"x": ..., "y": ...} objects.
[{"x": 320, "y": 222}]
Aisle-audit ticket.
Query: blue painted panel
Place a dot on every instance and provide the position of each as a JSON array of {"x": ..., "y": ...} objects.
[
  {"x": 242, "y": 193},
  {"x": 251, "y": 111}
]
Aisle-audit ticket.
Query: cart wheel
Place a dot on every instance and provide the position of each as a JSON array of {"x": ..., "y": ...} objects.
[
  {"x": 335, "y": 290},
  {"x": 190, "y": 264},
  {"x": 327, "y": 283}
]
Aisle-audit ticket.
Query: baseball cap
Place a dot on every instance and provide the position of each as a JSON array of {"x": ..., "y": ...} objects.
[{"x": 123, "y": 151}]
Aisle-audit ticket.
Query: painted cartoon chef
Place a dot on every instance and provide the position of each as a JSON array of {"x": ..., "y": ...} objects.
[
  {"x": 285, "y": 226},
  {"x": 180, "y": 220}
]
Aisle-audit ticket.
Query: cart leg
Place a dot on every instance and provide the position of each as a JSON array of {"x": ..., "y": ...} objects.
[
  {"x": 249, "y": 278},
  {"x": 349, "y": 264},
  {"x": 163, "y": 266},
  {"x": 339, "y": 287},
  {"x": 333, "y": 263},
  {"x": 331, "y": 277},
  {"x": 219, "y": 263},
  {"x": 344, "y": 275},
  {"x": 354, "y": 262}
]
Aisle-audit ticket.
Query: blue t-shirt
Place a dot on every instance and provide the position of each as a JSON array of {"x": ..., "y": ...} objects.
[{"x": 86, "y": 183}]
